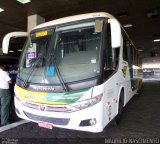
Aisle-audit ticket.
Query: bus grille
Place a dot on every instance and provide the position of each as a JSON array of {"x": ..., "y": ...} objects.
[
  {"x": 50, "y": 108},
  {"x": 56, "y": 121}
]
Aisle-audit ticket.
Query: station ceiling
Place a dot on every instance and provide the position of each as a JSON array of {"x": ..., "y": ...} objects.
[{"x": 143, "y": 15}]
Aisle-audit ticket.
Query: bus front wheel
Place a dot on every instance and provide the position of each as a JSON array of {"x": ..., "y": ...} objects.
[{"x": 118, "y": 117}]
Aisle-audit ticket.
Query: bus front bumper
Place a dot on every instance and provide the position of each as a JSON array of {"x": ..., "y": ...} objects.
[{"x": 88, "y": 119}]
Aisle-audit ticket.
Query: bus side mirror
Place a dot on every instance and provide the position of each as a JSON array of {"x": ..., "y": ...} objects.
[
  {"x": 6, "y": 39},
  {"x": 115, "y": 33}
]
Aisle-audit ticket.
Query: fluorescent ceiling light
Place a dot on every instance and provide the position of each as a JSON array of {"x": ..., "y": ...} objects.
[
  {"x": 127, "y": 25},
  {"x": 1, "y": 10},
  {"x": 156, "y": 40},
  {"x": 11, "y": 51},
  {"x": 19, "y": 50},
  {"x": 140, "y": 50},
  {"x": 24, "y": 1}
]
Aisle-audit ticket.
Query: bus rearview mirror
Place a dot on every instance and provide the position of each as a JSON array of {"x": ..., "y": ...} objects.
[
  {"x": 6, "y": 39},
  {"x": 115, "y": 33}
]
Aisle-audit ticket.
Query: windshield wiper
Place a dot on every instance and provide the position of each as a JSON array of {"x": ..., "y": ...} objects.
[
  {"x": 33, "y": 68},
  {"x": 52, "y": 58},
  {"x": 34, "y": 62}
]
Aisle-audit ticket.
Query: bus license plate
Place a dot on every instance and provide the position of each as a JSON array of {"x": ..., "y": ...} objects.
[{"x": 45, "y": 125}]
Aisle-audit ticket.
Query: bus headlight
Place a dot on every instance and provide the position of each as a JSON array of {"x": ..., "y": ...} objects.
[{"x": 87, "y": 103}]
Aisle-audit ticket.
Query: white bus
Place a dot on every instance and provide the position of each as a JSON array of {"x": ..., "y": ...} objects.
[{"x": 76, "y": 72}]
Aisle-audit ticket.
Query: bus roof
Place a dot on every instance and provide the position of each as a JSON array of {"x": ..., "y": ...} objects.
[{"x": 74, "y": 18}]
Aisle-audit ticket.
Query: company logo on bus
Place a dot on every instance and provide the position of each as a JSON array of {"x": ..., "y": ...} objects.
[
  {"x": 124, "y": 71},
  {"x": 42, "y": 107},
  {"x": 44, "y": 88}
]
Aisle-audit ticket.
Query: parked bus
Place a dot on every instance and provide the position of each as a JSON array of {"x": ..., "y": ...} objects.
[{"x": 76, "y": 72}]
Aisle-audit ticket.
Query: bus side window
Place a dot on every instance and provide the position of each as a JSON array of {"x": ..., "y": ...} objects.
[
  {"x": 115, "y": 60},
  {"x": 131, "y": 54},
  {"x": 125, "y": 51},
  {"x": 108, "y": 50}
]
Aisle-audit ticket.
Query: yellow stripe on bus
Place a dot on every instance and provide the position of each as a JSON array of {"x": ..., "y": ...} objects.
[{"x": 34, "y": 96}]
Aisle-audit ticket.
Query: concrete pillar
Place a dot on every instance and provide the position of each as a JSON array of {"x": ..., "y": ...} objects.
[
  {"x": 1, "y": 53},
  {"x": 33, "y": 21}
]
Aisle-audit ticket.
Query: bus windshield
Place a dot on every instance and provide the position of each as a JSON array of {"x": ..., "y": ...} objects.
[{"x": 71, "y": 50}]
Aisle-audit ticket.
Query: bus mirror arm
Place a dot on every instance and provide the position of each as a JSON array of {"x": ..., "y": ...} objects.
[{"x": 6, "y": 39}]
